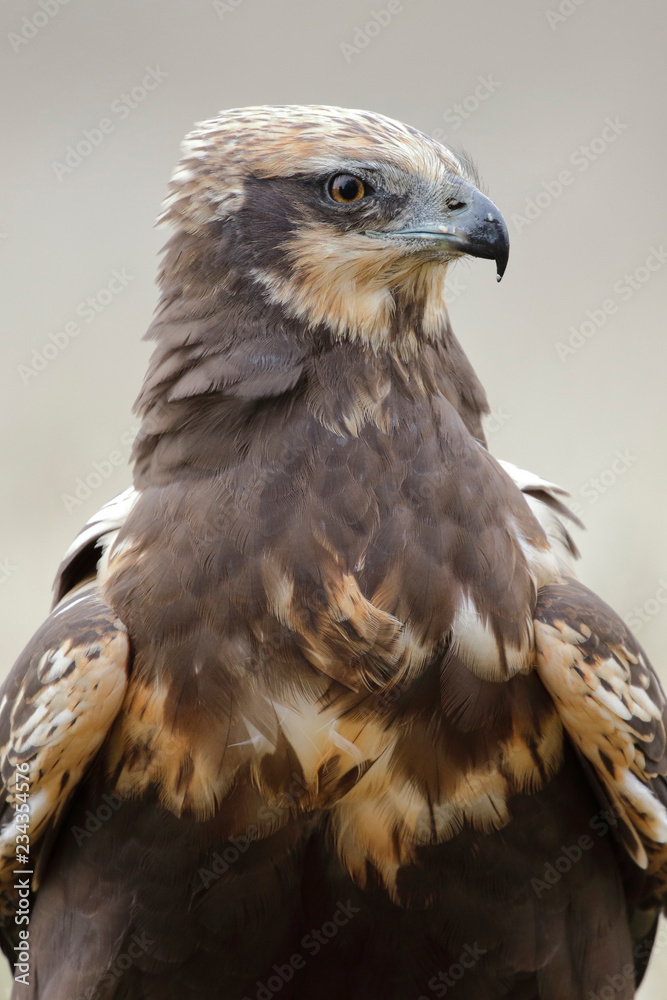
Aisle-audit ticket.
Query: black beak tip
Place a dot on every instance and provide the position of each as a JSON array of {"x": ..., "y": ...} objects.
[
  {"x": 501, "y": 243},
  {"x": 501, "y": 262}
]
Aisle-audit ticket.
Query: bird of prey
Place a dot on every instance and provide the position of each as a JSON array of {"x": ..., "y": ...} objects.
[{"x": 321, "y": 710}]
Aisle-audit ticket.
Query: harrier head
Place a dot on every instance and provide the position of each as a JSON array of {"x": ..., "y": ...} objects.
[{"x": 345, "y": 219}]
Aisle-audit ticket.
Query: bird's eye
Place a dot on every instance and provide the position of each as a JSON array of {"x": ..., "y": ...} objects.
[{"x": 345, "y": 188}]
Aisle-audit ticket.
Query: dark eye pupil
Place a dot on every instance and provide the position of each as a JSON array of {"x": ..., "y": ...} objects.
[{"x": 349, "y": 189}]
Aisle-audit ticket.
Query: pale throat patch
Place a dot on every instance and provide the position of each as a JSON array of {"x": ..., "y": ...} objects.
[{"x": 350, "y": 283}]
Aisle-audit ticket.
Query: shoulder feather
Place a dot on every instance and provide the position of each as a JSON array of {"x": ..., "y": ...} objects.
[{"x": 56, "y": 708}]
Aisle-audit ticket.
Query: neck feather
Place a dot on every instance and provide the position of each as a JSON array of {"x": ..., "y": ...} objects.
[{"x": 230, "y": 363}]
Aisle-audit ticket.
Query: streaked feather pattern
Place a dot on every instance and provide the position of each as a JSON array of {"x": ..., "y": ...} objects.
[
  {"x": 612, "y": 705},
  {"x": 61, "y": 699}
]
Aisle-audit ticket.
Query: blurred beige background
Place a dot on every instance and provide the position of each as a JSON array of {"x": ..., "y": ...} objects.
[{"x": 560, "y": 102}]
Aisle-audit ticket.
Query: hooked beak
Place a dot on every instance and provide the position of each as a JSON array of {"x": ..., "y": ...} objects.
[{"x": 474, "y": 226}]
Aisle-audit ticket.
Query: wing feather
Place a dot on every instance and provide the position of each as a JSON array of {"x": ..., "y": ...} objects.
[
  {"x": 613, "y": 707},
  {"x": 81, "y": 561},
  {"x": 57, "y": 706}
]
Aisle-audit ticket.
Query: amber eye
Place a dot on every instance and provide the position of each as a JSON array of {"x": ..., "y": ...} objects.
[{"x": 345, "y": 188}]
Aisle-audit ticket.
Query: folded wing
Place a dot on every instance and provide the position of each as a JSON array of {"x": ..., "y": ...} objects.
[
  {"x": 614, "y": 709},
  {"x": 56, "y": 708}
]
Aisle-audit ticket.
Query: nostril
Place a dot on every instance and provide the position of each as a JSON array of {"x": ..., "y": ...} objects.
[{"x": 454, "y": 205}]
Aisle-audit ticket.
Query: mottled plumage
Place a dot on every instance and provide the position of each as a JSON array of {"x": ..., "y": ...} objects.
[{"x": 321, "y": 707}]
